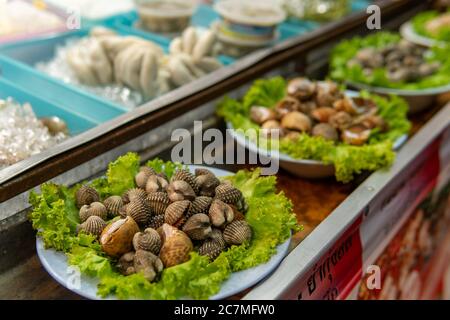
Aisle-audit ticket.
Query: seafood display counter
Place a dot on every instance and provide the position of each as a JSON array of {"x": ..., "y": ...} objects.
[{"x": 347, "y": 228}]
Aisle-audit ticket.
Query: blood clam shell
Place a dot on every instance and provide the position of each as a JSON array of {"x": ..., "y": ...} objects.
[
  {"x": 177, "y": 213},
  {"x": 200, "y": 205},
  {"x": 228, "y": 194},
  {"x": 94, "y": 225},
  {"x": 237, "y": 232},
  {"x": 133, "y": 194},
  {"x": 139, "y": 211},
  {"x": 180, "y": 190},
  {"x": 220, "y": 213},
  {"x": 113, "y": 205},
  {"x": 93, "y": 209},
  {"x": 158, "y": 202},
  {"x": 187, "y": 176},
  {"x": 198, "y": 227}
]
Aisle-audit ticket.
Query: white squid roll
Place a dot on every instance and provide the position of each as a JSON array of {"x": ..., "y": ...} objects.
[{"x": 204, "y": 45}]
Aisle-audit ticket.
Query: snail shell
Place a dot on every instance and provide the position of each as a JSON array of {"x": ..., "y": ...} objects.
[
  {"x": 113, "y": 205},
  {"x": 346, "y": 104},
  {"x": 180, "y": 190},
  {"x": 126, "y": 264},
  {"x": 200, "y": 205},
  {"x": 207, "y": 184},
  {"x": 198, "y": 227},
  {"x": 340, "y": 120},
  {"x": 86, "y": 195},
  {"x": 220, "y": 213},
  {"x": 237, "y": 232},
  {"x": 323, "y": 114},
  {"x": 228, "y": 194},
  {"x": 327, "y": 94},
  {"x": 134, "y": 194},
  {"x": 325, "y": 131},
  {"x": 296, "y": 121},
  {"x": 260, "y": 115},
  {"x": 301, "y": 88},
  {"x": 185, "y": 175},
  {"x": 93, "y": 225},
  {"x": 158, "y": 202},
  {"x": 149, "y": 240},
  {"x": 117, "y": 238},
  {"x": 357, "y": 134},
  {"x": 148, "y": 264},
  {"x": 177, "y": 213},
  {"x": 271, "y": 127},
  {"x": 93, "y": 209},
  {"x": 139, "y": 211},
  {"x": 287, "y": 105},
  {"x": 176, "y": 246},
  {"x": 156, "y": 183},
  {"x": 156, "y": 221}
]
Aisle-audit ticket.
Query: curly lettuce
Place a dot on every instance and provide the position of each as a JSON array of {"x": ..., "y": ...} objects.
[
  {"x": 348, "y": 160},
  {"x": 347, "y": 50},
  {"x": 420, "y": 21},
  {"x": 270, "y": 215}
]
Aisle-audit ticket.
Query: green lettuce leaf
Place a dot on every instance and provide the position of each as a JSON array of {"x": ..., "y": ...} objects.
[
  {"x": 265, "y": 93},
  {"x": 270, "y": 215},
  {"x": 347, "y": 49},
  {"x": 119, "y": 176},
  {"x": 54, "y": 216}
]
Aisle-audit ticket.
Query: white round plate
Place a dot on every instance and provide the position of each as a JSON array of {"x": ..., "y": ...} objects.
[
  {"x": 311, "y": 169},
  {"x": 55, "y": 263}
]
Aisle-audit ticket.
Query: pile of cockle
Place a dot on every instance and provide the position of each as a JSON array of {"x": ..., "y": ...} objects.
[
  {"x": 22, "y": 134},
  {"x": 105, "y": 57},
  {"x": 161, "y": 221},
  {"x": 403, "y": 61},
  {"x": 322, "y": 110}
]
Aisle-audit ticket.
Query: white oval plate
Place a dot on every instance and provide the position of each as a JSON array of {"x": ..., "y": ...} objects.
[{"x": 55, "y": 263}]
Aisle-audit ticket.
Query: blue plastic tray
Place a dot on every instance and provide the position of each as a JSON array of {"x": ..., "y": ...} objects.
[{"x": 76, "y": 122}]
